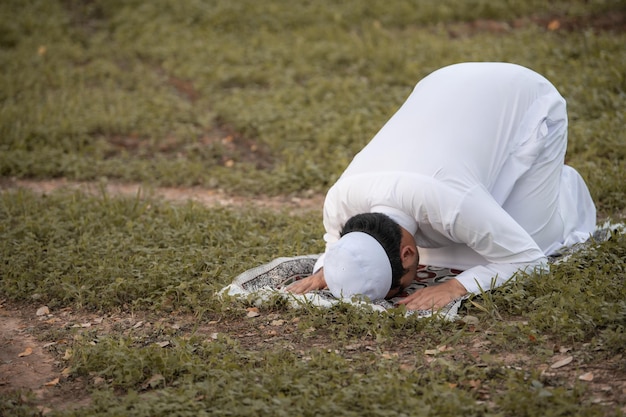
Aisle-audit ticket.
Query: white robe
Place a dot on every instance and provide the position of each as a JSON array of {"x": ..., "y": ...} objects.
[{"x": 473, "y": 165}]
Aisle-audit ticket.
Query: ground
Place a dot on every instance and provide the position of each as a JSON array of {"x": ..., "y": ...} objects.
[
  {"x": 29, "y": 363},
  {"x": 33, "y": 339}
]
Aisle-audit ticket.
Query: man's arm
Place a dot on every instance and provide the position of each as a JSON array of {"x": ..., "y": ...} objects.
[
  {"x": 490, "y": 276},
  {"x": 474, "y": 280},
  {"x": 311, "y": 283},
  {"x": 435, "y": 297},
  {"x": 480, "y": 223}
]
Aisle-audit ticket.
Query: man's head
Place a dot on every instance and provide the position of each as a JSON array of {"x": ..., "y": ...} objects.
[{"x": 396, "y": 256}]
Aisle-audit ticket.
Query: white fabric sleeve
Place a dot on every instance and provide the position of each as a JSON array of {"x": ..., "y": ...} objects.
[
  {"x": 319, "y": 264},
  {"x": 332, "y": 225},
  {"x": 490, "y": 231},
  {"x": 486, "y": 277}
]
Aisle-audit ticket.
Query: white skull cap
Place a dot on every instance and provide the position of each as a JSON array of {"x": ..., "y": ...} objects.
[{"x": 357, "y": 264}]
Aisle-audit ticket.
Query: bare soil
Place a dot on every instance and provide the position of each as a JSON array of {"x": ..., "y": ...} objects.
[{"x": 204, "y": 196}]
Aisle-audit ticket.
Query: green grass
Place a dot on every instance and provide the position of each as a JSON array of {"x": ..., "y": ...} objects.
[
  {"x": 275, "y": 98},
  {"x": 147, "y": 90},
  {"x": 99, "y": 253}
]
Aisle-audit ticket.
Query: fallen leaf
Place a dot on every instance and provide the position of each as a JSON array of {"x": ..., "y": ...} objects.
[
  {"x": 68, "y": 354},
  {"x": 138, "y": 325},
  {"x": 66, "y": 372},
  {"x": 442, "y": 348},
  {"x": 163, "y": 344},
  {"x": 154, "y": 381},
  {"x": 42, "y": 311},
  {"x": 52, "y": 383},
  {"x": 407, "y": 368},
  {"x": 97, "y": 381},
  {"x": 252, "y": 313},
  {"x": 554, "y": 24},
  {"x": 352, "y": 347},
  {"x": 27, "y": 352},
  {"x": 471, "y": 320},
  {"x": 277, "y": 322},
  {"x": 588, "y": 377},
  {"x": 562, "y": 362}
]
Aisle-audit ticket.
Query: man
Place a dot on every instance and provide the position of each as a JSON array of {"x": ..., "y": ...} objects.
[{"x": 468, "y": 174}]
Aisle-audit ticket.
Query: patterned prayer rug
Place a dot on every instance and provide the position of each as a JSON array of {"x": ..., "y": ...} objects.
[{"x": 270, "y": 279}]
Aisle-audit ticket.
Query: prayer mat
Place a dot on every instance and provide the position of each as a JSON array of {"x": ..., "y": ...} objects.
[{"x": 268, "y": 280}]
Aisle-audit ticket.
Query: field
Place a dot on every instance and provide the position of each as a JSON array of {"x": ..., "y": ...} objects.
[{"x": 150, "y": 151}]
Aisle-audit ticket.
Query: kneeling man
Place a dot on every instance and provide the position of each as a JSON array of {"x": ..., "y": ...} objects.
[{"x": 468, "y": 174}]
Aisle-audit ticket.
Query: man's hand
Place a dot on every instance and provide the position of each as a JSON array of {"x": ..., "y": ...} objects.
[
  {"x": 314, "y": 282},
  {"x": 436, "y": 297}
]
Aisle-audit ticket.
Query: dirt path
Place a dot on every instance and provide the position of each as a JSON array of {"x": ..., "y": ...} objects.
[
  {"x": 30, "y": 366},
  {"x": 207, "y": 197},
  {"x": 23, "y": 362}
]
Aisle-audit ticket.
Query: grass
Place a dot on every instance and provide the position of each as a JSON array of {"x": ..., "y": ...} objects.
[
  {"x": 148, "y": 91},
  {"x": 269, "y": 98},
  {"x": 104, "y": 252}
]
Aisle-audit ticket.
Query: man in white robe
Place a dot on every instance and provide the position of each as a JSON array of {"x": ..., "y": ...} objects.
[{"x": 471, "y": 167}]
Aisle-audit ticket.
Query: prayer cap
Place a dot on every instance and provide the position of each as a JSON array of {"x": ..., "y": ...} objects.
[{"x": 357, "y": 264}]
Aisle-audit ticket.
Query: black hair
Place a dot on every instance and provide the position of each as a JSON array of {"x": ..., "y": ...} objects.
[{"x": 387, "y": 232}]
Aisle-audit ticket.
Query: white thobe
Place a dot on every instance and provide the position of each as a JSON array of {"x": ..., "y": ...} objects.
[{"x": 472, "y": 165}]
